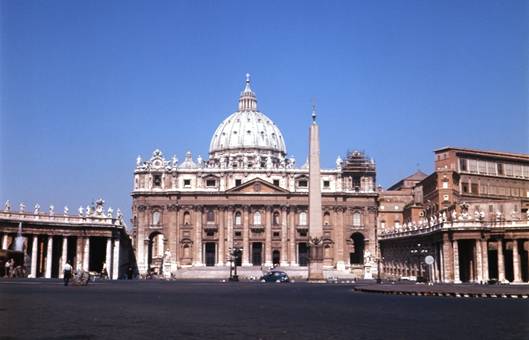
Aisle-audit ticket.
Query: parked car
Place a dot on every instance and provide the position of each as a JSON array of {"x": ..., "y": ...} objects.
[{"x": 275, "y": 276}]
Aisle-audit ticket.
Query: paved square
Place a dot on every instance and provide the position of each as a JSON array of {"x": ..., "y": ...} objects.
[{"x": 212, "y": 310}]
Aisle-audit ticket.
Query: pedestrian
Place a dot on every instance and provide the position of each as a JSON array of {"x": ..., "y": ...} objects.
[
  {"x": 67, "y": 273},
  {"x": 7, "y": 269},
  {"x": 129, "y": 272}
]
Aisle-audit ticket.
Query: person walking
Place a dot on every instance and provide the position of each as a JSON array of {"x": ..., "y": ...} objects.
[{"x": 67, "y": 273}]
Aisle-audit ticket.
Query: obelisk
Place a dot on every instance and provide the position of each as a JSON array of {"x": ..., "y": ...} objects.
[{"x": 315, "y": 219}]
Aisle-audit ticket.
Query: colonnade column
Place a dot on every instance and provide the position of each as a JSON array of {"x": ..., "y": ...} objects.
[
  {"x": 292, "y": 226},
  {"x": 455, "y": 250},
  {"x": 4, "y": 241},
  {"x": 339, "y": 239},
  {"x": 176, "y": 243},
  {"x": 222, "y": 226},
  {"x": 198, "y": 237},
  {"x": 86, "y": 254},
  {"x": 108, "y": 256},
  {"x": 501, "y": 262},
  {"x": 64, "y": 256},
  {"x": 517, "y": 269},
  {"x": 485, "y": 259},
  {"x": 245, "y": 238},
  {"x": 479, "y": 262},
  {"x": 49, "y": 257},
  {"x": 115, "y": 261},
  {"x": 284, "y": 238},
  {"x": 447, "y": 260},
  {"x": 268, "y": 237},
  {"x": 34, "y": 252}
]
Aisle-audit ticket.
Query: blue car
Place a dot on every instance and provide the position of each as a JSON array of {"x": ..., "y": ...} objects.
[{"x": 275, "y": 276}]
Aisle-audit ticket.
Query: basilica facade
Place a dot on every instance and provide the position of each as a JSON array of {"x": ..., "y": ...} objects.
[{"x": 249, "y": 194}]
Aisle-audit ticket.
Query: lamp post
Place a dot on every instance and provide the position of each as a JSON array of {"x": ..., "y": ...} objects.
[{"x": 419, "y": 252}]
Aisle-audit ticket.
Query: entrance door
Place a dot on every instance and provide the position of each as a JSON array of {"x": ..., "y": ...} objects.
[
  {"x": 303, "y": 254},
  {"x": 257, "y": 250},
  {"x": 210, "y": 254},
  {"x": 276, "y": 257}
]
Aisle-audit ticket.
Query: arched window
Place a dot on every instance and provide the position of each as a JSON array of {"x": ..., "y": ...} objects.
[
  {"x": 238, "y": 218},
  {"x": 210, "y": 216},
  {"x": 156, "y": 218},
  {"x": 357, "y": 219},
  {"x": 187, "y": 218},
  {"x": 326, "y": 218},
  {"x": 302, "y": 218},
  {"x": 357, "y": 252},
  {"x": 257, "y": 218},
  {"x": 275, "y": 218}
]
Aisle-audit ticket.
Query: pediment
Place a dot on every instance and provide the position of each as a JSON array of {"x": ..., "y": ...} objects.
[{"x": 257, "y": 185}]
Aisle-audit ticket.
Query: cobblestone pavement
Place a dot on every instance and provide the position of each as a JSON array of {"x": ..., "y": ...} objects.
[{"x": 46, "y": 309}]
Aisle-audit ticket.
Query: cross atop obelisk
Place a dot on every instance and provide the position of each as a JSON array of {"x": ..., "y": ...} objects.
[{"x": 315, "y": 218}]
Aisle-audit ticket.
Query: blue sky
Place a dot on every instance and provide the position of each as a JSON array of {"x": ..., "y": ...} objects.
[{"x": 86, "y": 86}]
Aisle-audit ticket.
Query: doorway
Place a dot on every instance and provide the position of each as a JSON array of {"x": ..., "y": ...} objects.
[
  {"x": 303, "y": 254},
  {"x": 257, "y": 253},
  {"x": 210, "y": 252}
]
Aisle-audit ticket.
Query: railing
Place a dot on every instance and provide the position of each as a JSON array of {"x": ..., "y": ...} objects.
[{"x": 61, "y": 218}]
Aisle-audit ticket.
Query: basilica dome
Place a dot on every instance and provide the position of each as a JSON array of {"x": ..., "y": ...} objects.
[{"x": 248, "y": 132}]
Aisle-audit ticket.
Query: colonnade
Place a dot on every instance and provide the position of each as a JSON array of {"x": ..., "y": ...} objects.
[{"x": 41, "y": 251}]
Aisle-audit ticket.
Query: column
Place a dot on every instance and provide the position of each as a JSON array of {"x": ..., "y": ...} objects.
[
  {"x": 245, "y": 238},
  {"x": 108, "y": 256},
  {"x": 140, "y": 240},
  {"x": 284, "y": 238},
  {"x": 4, "y": 241},
  {"x": 49, "y": 257},
  {"x": 198, "y": 237},
  {"x": 479, "y": 262},
  {"x": 485, "y": 260},
  {"x": 501, "y": 262},
  {"x": 268, "y": 237},
  {"x": 64, "y": 256},
  {"x": 175, "y": 243},
  {"x": 86, "y": 254},
  {"x": 447, "y": 261},
  {"x": 292, "y": 230},
  {"x": 115, "y": 261},
  {"x": 455, "y": 250},
  {"x": 339, "y": 239},
  {"x": 34, "y": 252},
  {"x": 229, "y": 226},
  {"x": 516, "y": 263},
  {"x": 222, "y": 255}
]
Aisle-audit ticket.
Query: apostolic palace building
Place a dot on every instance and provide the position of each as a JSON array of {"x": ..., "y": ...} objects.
[{"x": 248, "y": 194}]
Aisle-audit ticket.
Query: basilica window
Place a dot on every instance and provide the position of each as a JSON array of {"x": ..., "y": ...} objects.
[
  {"x": 276, "y": 182},
  {"x": 238, "y": 182},
  {"x": 326, "y": 184},
  {"x": 187, "y": 218},
  {"x": 187, "y": 183},
  {"x": 275, "y": 218},
  {"x": 211, "y": 183},
  {"x": 303, "y": 183},
  {"x": 357, "y": 219},
  {"x": 156, "y": 218},
  {"x": 326, "y": 218},
  {"x": 238, "y": 218},
  {"x": 302, "y": 218},
  {"x": 257, "y": 218},
  {"x": 210, "y": 216},
  {"x": 157, "y": 181}
]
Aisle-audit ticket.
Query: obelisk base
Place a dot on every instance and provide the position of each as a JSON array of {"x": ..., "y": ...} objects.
[{"x": 316, "y": 263}]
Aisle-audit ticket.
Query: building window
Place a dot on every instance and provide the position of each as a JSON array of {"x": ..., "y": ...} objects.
[
  {"x": 464, "y": 187},
  {"x": 275, "y": 218},
  {"x": 303, "y": 183},
  {"x": 187, "y": 183},
  {"x": 500, "y": 168},
  {"x": 238, "y": 218},
  {"x": 302, "y": 218},
  {"x": 276, "y": 233},
  {"x": 445, "y": 184},
  {"x": 446, "y": 198},
  {"x": 210, "y": 183},
  {"x": 187, "y": 218},
  {"x": 156, "y": 218},
  {"x": 474, "y": 187},
  {"x": 157, "y": 181},
  {"x": 326, "y": 184},
  {"x": 257, "y": 218},
  {"x": 357, "y": 221},
  {"x": 238, "y": 234},
  {"x": 276, "y": 182},
  {"x": 210, "y": 216},
  {"x": 238, "y": 182},
  {"x": 462, "y": 164}
]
